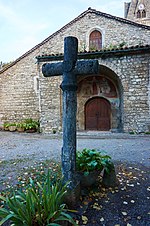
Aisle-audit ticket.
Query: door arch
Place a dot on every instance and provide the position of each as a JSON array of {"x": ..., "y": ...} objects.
[{"x": 98, "y": 114}]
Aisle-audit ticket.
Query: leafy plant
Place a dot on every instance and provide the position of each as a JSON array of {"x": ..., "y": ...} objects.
[
  {"x": 6, "y": 125},
  {"x": 12, "y": 124},
  {"x": 21, "y": 125},
  {"x": 122, "y": 44},
  {"x": 111, "y": 46},
  {"x": 115, "y": 46},
  {"x": 147, "y": 132},
  {"x": 39, "y": 205},
  {"x": 132, "y": 132},
  {"x": 90, "y": 159},
  {"x": 31, "y": 124},
  {"x": 9, "y": 126},
  {"x": 93, "y": 48}
]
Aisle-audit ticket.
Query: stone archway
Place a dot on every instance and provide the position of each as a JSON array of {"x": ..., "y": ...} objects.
[
  {"x": 98, "y": 114},
  {"x": 106, "y": 86}
]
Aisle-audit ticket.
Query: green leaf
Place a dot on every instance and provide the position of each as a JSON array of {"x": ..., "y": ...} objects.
[
  {"x": 53, "y": 224},
  {"x": 86, "y": 173},
  {"x": 3, "y": 212},
  {"x": 8, "y": 217},
  {"x": 2, "y": 198}
]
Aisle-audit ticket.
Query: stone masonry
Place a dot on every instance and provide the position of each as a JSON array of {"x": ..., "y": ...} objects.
[
  {"x": 132, "y": 8},
  {"x": 25, "y": 93}
]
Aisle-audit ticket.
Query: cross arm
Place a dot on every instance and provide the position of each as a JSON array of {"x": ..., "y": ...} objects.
[
  {"x": 52, "y": 69},
  {"x": 82, "y": 67}
]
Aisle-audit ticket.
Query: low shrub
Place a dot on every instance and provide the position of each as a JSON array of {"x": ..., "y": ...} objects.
[
  {"x": 31, "y": 124},
  {"x": 90, "y": 159}
]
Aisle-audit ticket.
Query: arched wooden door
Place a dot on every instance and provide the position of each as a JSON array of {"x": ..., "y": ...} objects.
[{"x": 97, "y": 114}]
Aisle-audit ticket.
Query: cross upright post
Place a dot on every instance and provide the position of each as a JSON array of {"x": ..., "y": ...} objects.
[
  {"x": 69, "y": 87},
  {"x": 70, "y": 68}
]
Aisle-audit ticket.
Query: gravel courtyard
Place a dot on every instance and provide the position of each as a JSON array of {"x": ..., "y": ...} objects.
[{"x": 124, "y": 147}]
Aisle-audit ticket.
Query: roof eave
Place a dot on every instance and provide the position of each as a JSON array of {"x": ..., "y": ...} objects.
[{"x": 98, "y": 54}]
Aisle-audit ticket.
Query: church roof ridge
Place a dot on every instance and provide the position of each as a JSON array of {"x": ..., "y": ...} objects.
[
  {"x": 124, "y": 20},
  {"x": 121, "y": 19},
  {"x": 89, "y": 10}
]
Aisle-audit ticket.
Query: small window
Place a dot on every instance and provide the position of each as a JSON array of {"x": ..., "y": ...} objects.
[
  {"x": 95, "y": 40},
  {"x": 143, "y": 14},
  {"x": 138, "y": 14}
]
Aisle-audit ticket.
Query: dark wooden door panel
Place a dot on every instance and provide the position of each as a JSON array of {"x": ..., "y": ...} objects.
[
  {"x": 103, "y": 124},
  {"x": 97, "y": 115}
]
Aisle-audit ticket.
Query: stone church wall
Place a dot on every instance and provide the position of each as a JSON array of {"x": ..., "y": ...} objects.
[
  {"x": 51, "y": 104},
  {"x": 19, "y": 98},
  {"x": 133, "y": 72},
  {"x": 25, "y": 93}
]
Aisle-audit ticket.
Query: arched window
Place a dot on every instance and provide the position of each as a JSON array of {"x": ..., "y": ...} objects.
[
  {"x": 138, "y": 14},
  {"x": 95, "y": 40},
  {"x": 143, "y": 13}
]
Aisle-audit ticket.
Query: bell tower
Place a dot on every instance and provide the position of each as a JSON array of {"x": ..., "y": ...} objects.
[{"x": 138, "y": 11}]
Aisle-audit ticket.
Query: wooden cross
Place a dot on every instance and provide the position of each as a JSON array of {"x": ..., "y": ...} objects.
[{"x": 70, "y": 68}]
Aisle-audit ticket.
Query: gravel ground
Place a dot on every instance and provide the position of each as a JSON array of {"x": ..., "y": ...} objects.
[
  {"x": 126, "y": 205},
  {"x": 124, "y": 147}
]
